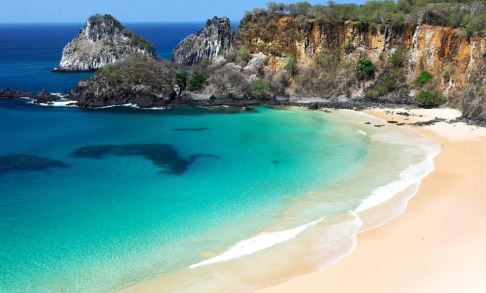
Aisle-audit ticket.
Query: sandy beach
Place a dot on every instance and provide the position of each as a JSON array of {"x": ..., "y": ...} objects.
[{"x": 437, "y": 245}]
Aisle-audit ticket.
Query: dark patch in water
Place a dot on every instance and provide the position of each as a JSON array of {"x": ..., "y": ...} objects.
[
  {"x": 190, "y": 129},
  {"x": 275, "y": 162},
  {"x": 27, "y": 163},
  {"x": 164, "y": 156}
]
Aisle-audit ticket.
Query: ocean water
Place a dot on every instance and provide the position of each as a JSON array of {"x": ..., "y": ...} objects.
[
  {"x": 29, "y": 51},
  {"x": 94, "y": 200},
  {"x": 99, "y": 200}
]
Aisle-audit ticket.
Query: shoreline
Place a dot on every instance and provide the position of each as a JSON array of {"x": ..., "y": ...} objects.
[
  {"x": 403, "y": 187},
  {"x": 422, "y": 250},
  {"x": 441, "y": 132}
]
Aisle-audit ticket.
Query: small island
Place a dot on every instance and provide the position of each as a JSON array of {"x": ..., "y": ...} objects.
[{"x": 102, "y": 41}]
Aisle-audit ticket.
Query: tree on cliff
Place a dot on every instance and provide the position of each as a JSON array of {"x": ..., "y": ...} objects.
[{"x": 466, "y": 14}]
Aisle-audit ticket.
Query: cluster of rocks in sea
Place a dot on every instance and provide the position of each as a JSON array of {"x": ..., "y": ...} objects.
[{"x": 41, "y": 97}]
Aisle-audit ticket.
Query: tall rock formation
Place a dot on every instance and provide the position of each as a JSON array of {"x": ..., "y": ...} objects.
[
  {"x": 214, "y": 39},
  {"x": 103, "y": 40},
  {"x": 456, "y": 60}
]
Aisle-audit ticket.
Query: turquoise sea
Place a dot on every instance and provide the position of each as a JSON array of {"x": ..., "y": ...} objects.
[{"x": 97, "y": 200}]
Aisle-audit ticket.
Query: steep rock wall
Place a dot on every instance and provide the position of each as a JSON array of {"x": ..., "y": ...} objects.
[
  {"x": 456, "y": 60},
  {"x": 204, "y": 46}
]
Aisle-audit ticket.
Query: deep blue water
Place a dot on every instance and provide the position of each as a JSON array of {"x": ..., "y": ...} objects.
[{"x": 29, "y": 51}]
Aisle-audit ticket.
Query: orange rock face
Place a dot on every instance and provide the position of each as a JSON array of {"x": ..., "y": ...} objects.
[{"x": 449, "y": 54}]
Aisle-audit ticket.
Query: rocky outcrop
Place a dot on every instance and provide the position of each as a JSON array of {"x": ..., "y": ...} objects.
[
  {"x": 474, "y": 100},
  {"x": 143, "y": 82},
  {"x": 41, "y": 97},
  {"x": 214, "y": 39},
  {"x": 103, "y": 40},
  {"x": 455, "y": 59}
]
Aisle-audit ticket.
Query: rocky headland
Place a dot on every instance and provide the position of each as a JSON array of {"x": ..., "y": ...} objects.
[{"x": 102, "y": 41}]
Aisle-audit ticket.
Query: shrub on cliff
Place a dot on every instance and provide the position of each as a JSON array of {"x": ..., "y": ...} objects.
[
  {"x": 424, "y": 78},
  {"x": 466, "y": 14},
  {"x": 196, "y": 82},
  {"x": 260, "y": 89},
  {"x": 291, "y": 65},
  {"x": 428, "y": 99},
  {"x": 385, "y": 84},
  {"x": 365, "y": 69},
  {"x": 141, "y": 72},
  {"x": 397, "y": 58},
  {"x": 181, "y": 79},
  {"x": 228, "y": 82},
  {"x": 328, "y": 76},
  {"x": 243, "y": 56}
]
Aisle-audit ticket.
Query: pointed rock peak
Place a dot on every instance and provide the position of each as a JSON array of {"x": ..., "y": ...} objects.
[
  {"x": 103, "y": 40},
  {"x": 98, "y": 23},
  {"x": 214, "y": 39},
  {"x": 224, "y": 21}
]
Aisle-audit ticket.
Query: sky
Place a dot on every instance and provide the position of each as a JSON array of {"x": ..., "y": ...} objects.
[{"x": 55, "y": 11}]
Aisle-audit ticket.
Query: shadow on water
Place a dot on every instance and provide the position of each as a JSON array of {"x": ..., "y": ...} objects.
[
  {"x": 15, "y": 163},
  {"x": 164, "y": 156}
]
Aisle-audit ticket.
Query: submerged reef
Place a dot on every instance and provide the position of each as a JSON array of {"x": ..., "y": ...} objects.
[
  {"x": 164, "y": 156},
  {"x": 15, "y": 163}
]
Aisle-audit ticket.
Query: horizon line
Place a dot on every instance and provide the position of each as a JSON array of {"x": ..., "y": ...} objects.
[{"x": 136, "y": 22}]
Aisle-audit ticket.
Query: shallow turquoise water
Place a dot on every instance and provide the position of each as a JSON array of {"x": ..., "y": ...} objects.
[{"x": 112, "y": 215}]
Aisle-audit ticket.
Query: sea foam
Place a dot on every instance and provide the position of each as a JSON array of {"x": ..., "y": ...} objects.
[
  {"x": 257, "y": 243},
  {"x": 412, "y": 175}
]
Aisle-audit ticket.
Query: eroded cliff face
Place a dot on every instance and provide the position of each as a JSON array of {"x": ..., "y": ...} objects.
[
  {"x": 456, "y": 60},
  {"x": 103, "y": 40},
  {"x": 214, "y": 39}
]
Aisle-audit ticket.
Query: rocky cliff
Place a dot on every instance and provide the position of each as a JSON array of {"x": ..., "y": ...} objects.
[
  {"x": 456, "y": 60},
  {"x": 214, "y": 39},
  {"x": 103, "y": 40}
]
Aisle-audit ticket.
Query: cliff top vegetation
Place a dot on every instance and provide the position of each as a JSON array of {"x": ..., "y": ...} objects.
[{"x": 469, "y": 15}]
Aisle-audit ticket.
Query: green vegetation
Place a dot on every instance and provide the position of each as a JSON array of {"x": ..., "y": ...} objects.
[
  {"x": 384, "y": 85},
  {"x": 446, "y": 73},
  {"x": 424, "y": 78},
  {"x": 109, "y": 72},
  {"x": 260, "y": 89},
  {"x": 326, "y": 60},
  {"x": 365, "y": 69},
  {"x": 428, "y": 99},
  {"x": 138, "y": 41},
  {"x": 397, "y": 58},
  {"x": 469, "y": 15},
  {"x": 145, "y": 73},
  {"x": 327, "y": 76},
  {"x": 181, "y": 78},
  {"x": 196, "y": 82},
  {"x": 291, "y": 65},
  {"x": 243, "y": 56}
]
